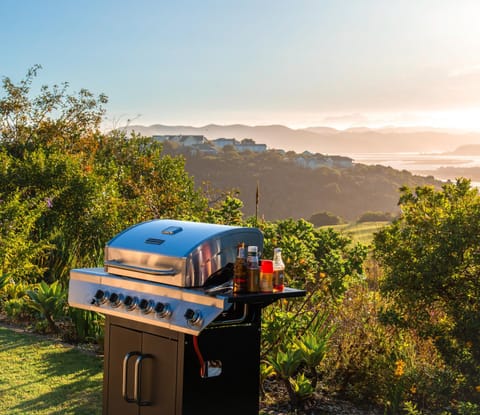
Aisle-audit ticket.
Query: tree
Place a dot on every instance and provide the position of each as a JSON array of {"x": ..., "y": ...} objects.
[
  {"x": 375, "y": 217},
  {"x": 53, "y": 118},
  {"x": 431, "y": 261},
  {"x": 94, "y": 184},
  {"x": 19, "y": 254},
  {"x": 325, "y": 219}
]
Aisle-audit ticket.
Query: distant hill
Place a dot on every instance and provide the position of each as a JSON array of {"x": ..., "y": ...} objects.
[
  {"x": 467, "y": 150},
  {"x": 289, "y": 190},
  {"x": 327, "y": 140}
]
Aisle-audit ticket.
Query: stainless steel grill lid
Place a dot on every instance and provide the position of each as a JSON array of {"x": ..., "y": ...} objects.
[{"x": 179, "y": 253}]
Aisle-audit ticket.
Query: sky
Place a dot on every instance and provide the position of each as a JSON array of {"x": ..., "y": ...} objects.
[{"x": 337, "y": 63}]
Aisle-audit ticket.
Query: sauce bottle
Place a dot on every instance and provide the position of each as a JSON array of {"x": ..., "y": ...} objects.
[
  {"x": 278, "y": 270},
  {"x": 253, "y": 270},
  {"x": 240, "y": 271}
]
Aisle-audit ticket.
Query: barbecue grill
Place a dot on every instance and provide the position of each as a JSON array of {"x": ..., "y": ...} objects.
[{"x": 177, "y": 340}]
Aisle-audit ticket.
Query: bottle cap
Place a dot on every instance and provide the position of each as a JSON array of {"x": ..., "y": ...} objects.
[
  {"x": 252, "y": 248},
  {"x": 267, "y": 266}
]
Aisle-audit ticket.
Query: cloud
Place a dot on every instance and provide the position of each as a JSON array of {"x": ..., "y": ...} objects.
[
  {"x": 465, "y": 71},
  {"x": 348, "y": 119}
]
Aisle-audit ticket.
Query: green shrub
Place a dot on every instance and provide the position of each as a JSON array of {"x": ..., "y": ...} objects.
[
  {"x": 285, "y": 364},
  {"x": 86, "y": 326},
  {"x": 17, "y": 309},
  {"x": 325, "y": 219},
  {"x": 49, "y": 301},
  {"x": 13, "y": 299},
  {"x": 375, "y": 217},
  {"x": 20, "y": 247},
  {"x": 431, "y": 264}
]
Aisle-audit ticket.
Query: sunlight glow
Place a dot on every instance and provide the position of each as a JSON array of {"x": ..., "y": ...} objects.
[{"x": 467, "y": 119}]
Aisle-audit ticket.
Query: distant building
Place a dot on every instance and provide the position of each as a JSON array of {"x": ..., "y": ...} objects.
[
  {"x": 205, "y": 148},
  {"x": 222, "y": 142},
  {"x": 199, "y": 144},
  {"x": 247, "y": 144},
  {"x": 183, "y": 140},
  {"x": 313, "y": 161}
]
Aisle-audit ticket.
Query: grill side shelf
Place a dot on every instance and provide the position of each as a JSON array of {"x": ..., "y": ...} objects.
[{"x": 265, "y": 299}]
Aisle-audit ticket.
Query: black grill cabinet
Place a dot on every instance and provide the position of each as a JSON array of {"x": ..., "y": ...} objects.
[{"x": 151, "y": 370}]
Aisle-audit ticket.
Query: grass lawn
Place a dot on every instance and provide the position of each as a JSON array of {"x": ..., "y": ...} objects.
[{"x": 43, "y": 377}]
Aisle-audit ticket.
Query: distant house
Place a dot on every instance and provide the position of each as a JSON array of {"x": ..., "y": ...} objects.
[
  {"x": 313, "y": 161},
  {"x": 247, "y": 144},
  {"x": 205, "y": 148},
  {"x": 244, "y": 145},
  {"x": 222, "y": 142},
  {"x": 184, "y": 140},
  {"x": 197, "y": 144}
]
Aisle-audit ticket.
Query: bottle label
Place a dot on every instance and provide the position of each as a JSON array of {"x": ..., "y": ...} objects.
[
  {"x": 253, "y": 276},
  {"x": 278, "y": 279},
  {"x": 266, "y": 282}
]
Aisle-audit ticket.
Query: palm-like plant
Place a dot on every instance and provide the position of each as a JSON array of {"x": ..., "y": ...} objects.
[
  {"x": 285, "y": 364},
  {"x": 312, "y": 346},
  {"x": 48, "y": 300}
]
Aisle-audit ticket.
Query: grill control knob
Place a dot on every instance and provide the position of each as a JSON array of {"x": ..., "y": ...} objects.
[
  {"x": 146, "y": 306},
  {"x": 194, "y": 318},
  {"x": 100, "y": 297},
  {"x": 130, "y": 302},
  {"x": 115, "y": 299},
  {"x": 163, "y": 310}
]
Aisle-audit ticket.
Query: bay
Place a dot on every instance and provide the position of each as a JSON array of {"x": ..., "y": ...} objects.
[{"x": 425, "y": 164}]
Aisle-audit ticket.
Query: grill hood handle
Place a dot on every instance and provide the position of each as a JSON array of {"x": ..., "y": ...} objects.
[{"x": 152, "y": 271}]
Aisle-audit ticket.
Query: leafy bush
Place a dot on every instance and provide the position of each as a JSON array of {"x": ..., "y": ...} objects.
[
  {"x": 13, "y": 299},
  {"x": 296, "y": 334},
  {"x": 86, "y": 326},
  {"x": 49, "y": 301},
  {"x": 431, "y": 263},
  {"x": 325, "y": 219},
  {"x": 20, "y": 249},
  {"x": 375, "y": 217},
  {"x": 17, "y": 309}
]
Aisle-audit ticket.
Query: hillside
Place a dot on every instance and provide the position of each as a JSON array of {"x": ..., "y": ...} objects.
[
  {"x": 327, "y": 140},
  {"x": 288, "y": 190},
  {"x": 466, "y": 150}
]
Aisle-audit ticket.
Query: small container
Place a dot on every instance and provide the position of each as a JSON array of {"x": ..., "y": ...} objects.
[{"x": 266, "y": 276}]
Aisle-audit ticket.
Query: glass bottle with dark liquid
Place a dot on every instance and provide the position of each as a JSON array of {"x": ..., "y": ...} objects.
[
  {"x": 253, "y": 270},
  {"x": 240, "y": 271}
]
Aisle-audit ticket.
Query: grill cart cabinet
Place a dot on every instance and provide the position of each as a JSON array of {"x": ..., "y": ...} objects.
[
  {"x": 151, "y": 370},
  {"x": 153, "y": 390}
]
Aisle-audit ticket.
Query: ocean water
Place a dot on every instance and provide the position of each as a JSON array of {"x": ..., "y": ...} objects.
[{"x": 419, "y": 163}]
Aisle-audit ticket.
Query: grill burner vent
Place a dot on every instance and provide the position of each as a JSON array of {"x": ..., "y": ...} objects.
[{"x": 154, "y": 241}]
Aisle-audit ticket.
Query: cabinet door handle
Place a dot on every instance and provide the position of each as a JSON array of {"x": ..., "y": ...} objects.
[
  {"x": 127, "y": 357},
  {"x": 137, "y": 381}
]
